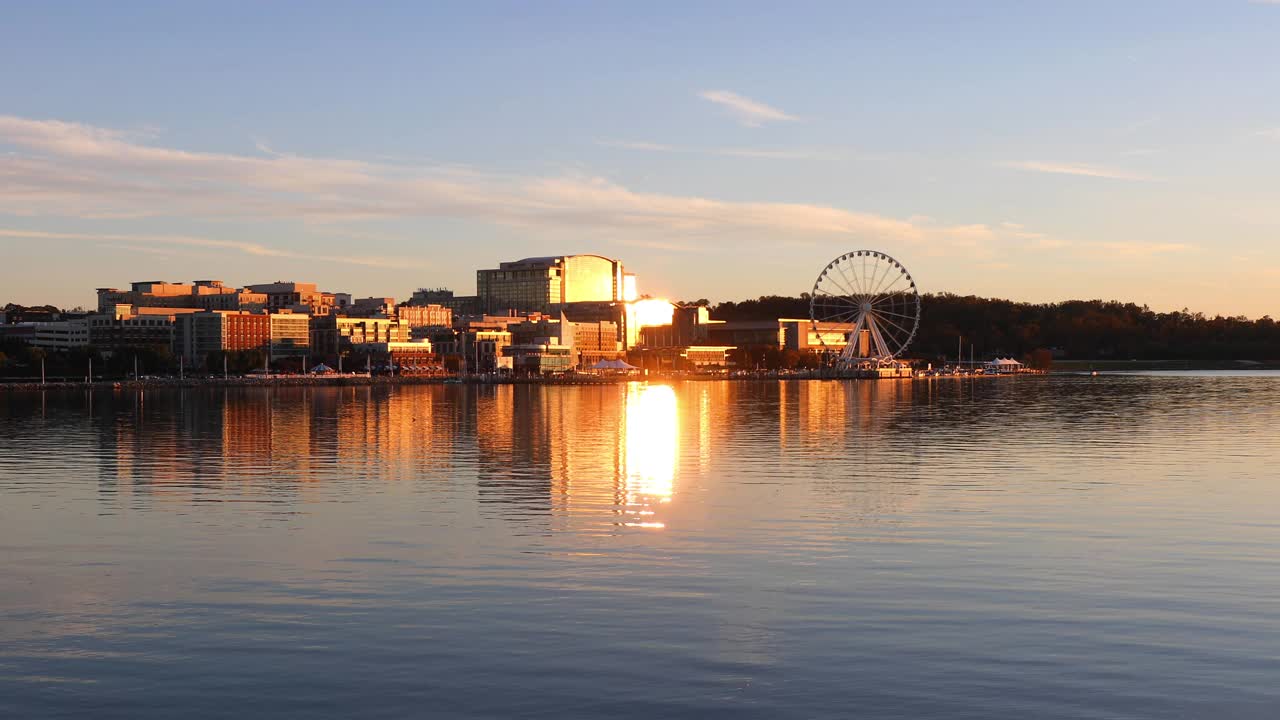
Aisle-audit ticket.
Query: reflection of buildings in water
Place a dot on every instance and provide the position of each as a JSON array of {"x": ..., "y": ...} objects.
[
  {"x": 818, "y": 413},
  {"x": 588, "y": 481},
  {"x": 518, "y": 440},
  {"x": 387, "y": 432},
  {"x": 538, "y": 448},
  {"x": 578, "y": 453},
  {"x": 148, "y": 444},
  {"x": 175, "y": 445},
  {"x": 572, "y": 454},
  {"x": 712, "y": 401},
  {"x": 860, "y": 439}
]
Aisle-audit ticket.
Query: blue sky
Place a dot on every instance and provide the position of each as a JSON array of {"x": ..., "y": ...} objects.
[{"x": 1038, "y": 151}]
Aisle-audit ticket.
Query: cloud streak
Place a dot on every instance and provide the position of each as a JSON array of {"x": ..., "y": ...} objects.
[
  {"x": 69, "y": 170},
  {"x": 162, "y": 244},
  {"x": 751, "y": 113},
  {"x": 1081, "y": 169},
  {"x": 73, "y": 170},
  {"x": 761, "y": 153}
]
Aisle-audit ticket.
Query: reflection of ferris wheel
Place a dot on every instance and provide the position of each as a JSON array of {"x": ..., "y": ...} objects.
[{"x": 868, "y": 300}]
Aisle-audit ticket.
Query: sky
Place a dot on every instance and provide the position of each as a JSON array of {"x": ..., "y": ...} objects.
[{"x": 1038, "y": 151}]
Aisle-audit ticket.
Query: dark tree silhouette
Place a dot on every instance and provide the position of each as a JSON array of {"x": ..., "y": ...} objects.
[{"x": 1076, "y": 329}]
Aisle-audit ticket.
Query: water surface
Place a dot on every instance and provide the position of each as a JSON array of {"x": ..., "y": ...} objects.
[{"x": 1057, "y": 547}]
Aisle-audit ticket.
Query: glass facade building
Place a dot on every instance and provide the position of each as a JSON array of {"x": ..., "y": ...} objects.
[{"x": 541, "y": 284}]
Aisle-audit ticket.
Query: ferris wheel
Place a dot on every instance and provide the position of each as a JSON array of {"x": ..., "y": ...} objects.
[{"x": 865, "y": 307}]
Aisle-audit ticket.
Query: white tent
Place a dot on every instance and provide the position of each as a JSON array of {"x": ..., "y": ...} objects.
[
  {"x": 1004, "y": 365},
  {"x": 321, "y": 369},
  {"x": 613, "y": 365}
]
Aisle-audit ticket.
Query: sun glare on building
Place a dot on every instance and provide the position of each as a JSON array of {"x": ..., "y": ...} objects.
[{"x": 652, "y": 312}]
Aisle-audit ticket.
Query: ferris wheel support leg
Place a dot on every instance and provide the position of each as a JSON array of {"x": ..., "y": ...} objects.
[{"x": 884, "y": 350}]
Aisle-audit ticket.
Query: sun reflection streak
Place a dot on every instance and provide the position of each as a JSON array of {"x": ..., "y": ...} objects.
[{"x": 652, "y": 444}]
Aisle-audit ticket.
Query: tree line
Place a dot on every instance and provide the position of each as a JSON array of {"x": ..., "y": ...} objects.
[{"x": 1075, "y": 329}]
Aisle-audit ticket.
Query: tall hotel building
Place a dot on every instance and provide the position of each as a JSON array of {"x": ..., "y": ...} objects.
[{"x": 541, "y": 284}]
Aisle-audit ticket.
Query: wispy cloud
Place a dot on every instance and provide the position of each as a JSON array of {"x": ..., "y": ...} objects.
[
  {"x": 1110, "y": 249},
  {"x": 1138, "y": 248},
  {"x": 665, "y": 246},
  {"x": 163, "y": 244},
  {"x": 638, "y": 145},
  {"x": 765, "y": 154},
  {"x": 751, "y": 113},
  {"x": 1272, "y": 133},
  {"x": 1139, "y": 152},
  {"x": 1120, "y": 248},
  {"x": 1140, "y": 124},
  {"x": 762, "y": 153},
  {"x": 73, "y": 170},
  {"x": 1082, "y": 169},
  {"x": 1019, "y": 231},
  {"x": 69, "y": 170}
]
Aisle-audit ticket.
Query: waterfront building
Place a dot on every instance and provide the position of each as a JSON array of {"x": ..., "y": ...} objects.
[
  {"x": 204, "y": 294},
  {"x": 197, "y": 335},
  {"x": 683, "y": 357},
  {"x": 290, "y": 335},
  {"x": 431, "y": 315},
  {"x": 590, "y": 341},
  {"x": 61, "y": 334},
  {"x": 23, "y": 332},
  {"x": 543, "y": 356},
  {"x": 332, "y": 334},
  {"x": 594, "y": 341},
  {"x": 477, "y": 350},
  {"x": 541, "y": 284},
  {"x": 783, "y": 334},
  {"x": 402, "y": 358},
  {"x": 458, "y": 304},
  {"x": 526, "y": 330},
  {"x": 619, "y": 314},
  {"x": 494, "y": 322},
  {"x": 682, "y": 342},
  {"x": 127, "y": 326},
  {"x": 301, "y": 298},
  {"x": 628, "y": 318},
  {"x": 689, "y": 325},
  {"x": 372, "y": 307}
]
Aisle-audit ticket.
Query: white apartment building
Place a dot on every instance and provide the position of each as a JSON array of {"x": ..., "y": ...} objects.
[{"x": 62, "y": 334}]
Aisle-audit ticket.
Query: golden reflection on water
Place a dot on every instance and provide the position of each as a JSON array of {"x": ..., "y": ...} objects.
[
  {"x": 568, "y": 458},
  {"x": 651, "y": 436}
]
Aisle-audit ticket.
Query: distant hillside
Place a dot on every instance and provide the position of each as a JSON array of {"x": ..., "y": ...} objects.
[{"x": 1079, "y": 329}]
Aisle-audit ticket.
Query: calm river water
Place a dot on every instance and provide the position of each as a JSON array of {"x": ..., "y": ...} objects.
[{"x": 1061, "y": 547}]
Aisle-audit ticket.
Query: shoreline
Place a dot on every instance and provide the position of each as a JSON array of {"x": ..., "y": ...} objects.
[{"x": 366, "y": 381}]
